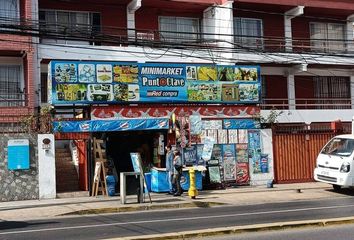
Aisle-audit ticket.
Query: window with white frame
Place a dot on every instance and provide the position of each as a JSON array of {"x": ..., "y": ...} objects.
[
  {"x": 248, "y": 32},
  {"x": 11, "y": 85},
  {"x": 327, "y": 37},
  {"x": 179, "y": 29},
  {"x": 9, "y": 12},
  {"x": 65, "y": 24}
]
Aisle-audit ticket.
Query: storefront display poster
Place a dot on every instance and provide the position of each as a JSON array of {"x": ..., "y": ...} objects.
[
  {"x": 229, "y": 162},
  {"x": 208, "y": 148},
  {"x": 214, "y": 174},
  {"x": 241, "y": 153},
  {"x": 242, "y": 174},
  {"x": 200, "y": 160},
  {"x": 196, "y": 124},
  {"x": 190, "y": 155},
  {"x": 240, "y": 124},
  {"x": 254, "y": 150}
]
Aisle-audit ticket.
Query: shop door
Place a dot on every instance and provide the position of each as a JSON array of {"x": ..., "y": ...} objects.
[{"x": 295, "y": 155}]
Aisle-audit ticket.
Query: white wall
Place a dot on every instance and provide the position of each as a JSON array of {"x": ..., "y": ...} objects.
[
  {"x": 46, "y": 168},
  {"x": 267, "y": 148}
]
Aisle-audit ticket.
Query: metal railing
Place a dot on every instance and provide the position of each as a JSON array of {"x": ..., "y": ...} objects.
[
  {"x": 13, "y": 100},
  {"x": 306, "y": 103}
]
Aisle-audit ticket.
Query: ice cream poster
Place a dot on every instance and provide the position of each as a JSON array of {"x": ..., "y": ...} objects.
[{"x": 254, "y": 150}]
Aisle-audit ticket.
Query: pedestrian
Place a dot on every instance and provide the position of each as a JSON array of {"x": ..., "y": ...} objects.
[
  {"x": 177, "y": 164},
  {"x": 169, "y": 168}
]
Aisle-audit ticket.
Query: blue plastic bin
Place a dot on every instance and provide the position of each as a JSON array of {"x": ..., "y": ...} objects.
[{"x": 111, "y": 185}]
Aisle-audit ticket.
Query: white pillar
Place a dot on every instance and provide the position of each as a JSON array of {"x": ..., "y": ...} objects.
[
  {"x": 218, "y": 27},
  {"x": 46, "y": 166},
  {"x": 291, "y": 91},
  {"x": 352, "y": 90},
  {"x": 131, "y": 8},
  {"x": 294, "y": 12}
]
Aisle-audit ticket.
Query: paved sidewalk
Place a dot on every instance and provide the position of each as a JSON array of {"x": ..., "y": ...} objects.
[{"x": 37, "y": 209}]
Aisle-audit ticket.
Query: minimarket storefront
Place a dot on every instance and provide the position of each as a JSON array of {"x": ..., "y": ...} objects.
[{"x": 210, "y": 112}]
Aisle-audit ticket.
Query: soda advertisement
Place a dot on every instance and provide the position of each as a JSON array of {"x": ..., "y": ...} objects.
[
  {"x": 254, "y": 150},
  {"x": 84, "y": 82},
  {"x": 242, "y": 174}
]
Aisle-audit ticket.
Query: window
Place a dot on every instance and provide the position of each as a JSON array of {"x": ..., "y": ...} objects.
[
  {"x": 179, "y": 29},
  {"x": 10, "y": 86},
  {"x": 327, "y": 37},
  {"x": 248, "y": 32},
  {"x": 64, "y": 27},
  {"x": 9, "y": 12},
  {"x": 332, "y": 92}
]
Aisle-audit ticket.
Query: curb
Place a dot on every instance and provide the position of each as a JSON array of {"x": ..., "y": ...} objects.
[
  {"x": 196, "y": 204},
  {"x": 242, "y": 229}
]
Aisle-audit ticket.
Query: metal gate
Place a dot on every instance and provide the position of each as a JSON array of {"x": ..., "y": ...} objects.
[{"x": 295, "y": 154}]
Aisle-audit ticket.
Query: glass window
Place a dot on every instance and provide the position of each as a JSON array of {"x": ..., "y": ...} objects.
[
  {"x": 339, "y": 147},
  {"x": 10, "y": 85},
  {"x": 248, "y": 32},
  {"x": 70, "y": 24},
  {"x": 9, "y": 11},
  {"x": 327, "y": 37},
  {"x": 179, "y": 29}
]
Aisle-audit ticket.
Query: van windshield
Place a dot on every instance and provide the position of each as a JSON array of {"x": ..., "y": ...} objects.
[{"x": 340, "y": 147}]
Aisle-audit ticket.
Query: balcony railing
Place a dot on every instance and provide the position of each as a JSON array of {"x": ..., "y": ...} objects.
[
  {"x": 13, "y": 100},
  {"x": 307, "y": 103}
]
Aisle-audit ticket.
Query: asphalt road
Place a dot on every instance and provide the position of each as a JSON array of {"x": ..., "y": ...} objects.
[
  {"x": 156, "y": 222},
  {"x": 337, "y": 232}
]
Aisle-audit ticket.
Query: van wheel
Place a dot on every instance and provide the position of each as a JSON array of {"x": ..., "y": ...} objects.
[{"x": 336, "y": 187}]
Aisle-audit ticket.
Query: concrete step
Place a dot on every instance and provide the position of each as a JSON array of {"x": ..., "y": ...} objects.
[{"x": 73, "y": 194}]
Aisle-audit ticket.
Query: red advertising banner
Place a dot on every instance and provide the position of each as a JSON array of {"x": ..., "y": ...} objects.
[
  {"x": 122, "y": 112},
  {"x": 242, "y": 174}
]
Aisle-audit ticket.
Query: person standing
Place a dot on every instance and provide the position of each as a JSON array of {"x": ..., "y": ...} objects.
[
  {"x": 177, "y": 164},
  {"x": 169, "y": 168}
]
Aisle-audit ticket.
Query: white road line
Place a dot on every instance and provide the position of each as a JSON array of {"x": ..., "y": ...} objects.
[{"x": 174, "y": 219}]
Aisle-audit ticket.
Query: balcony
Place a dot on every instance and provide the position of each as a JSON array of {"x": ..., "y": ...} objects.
[{"x": 306, "y": 103}]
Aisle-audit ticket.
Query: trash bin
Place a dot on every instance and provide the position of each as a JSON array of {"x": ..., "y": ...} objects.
[{"x": 111, "y": 185}]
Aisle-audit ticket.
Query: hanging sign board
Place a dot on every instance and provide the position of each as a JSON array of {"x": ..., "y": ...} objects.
[{"x": 18, "y": 154}]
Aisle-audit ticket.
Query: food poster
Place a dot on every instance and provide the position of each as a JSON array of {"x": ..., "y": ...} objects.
[
  {"x": 158, "y": 82},
  {"x": 233, "y": 136},
  {"x": 214, "y": 174},
  {"x": 190, "y": 155},
  {"x": 204, "y": 92},
  {"x": 65, "y": 72},
  {"x": 104, "y": 73},
  {"x": 100, "y": 92},
  {"x": 229, "y": 162},
  {"x": 242, "y": 174},
  {"x": 242, "y": 153},
  {"x": 217, "y": 153},
  {"x": 71, "y": 92},
  {"x": 125, "y": 73},
  {"x": 247, "y": 73},
  {"x": 200, "y": 160},
  {"x": 208, "y": 148},
  {"x": 249, "y": 92},
  {"x": 242, "y": 136},
  {"x": 222, "y": 136},
  {"x": 87, "y": 73},
  {"x": 254, "y": 150}
]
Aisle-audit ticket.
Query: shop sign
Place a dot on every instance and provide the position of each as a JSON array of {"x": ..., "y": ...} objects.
[{"x": 74, "y": 82}]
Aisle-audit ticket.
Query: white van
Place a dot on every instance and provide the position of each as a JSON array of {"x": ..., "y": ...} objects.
[{"x": 335, "y": 162}]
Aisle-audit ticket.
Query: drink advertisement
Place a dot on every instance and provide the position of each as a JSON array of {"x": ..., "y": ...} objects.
[
  {"x": 73, "y": 82},
  {"x": 242, "y": 174},
  {"x": 254, "y": 150}
]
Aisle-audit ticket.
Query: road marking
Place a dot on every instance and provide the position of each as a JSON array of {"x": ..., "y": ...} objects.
[{"x": 174, "y": 219}]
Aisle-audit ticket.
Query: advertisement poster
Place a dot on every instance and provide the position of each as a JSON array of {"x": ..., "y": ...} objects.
[
  {"x": 200, "y": 160},
  {"x": 242, "y": 174},
  {"x": 190, "y": 155},
  {"x": 264, "y": 163},
  {"x": 196, "y": 124},
  {"x": 242, "y": 136},
  {"x": 254, "y": 150},
  {"x": 229, "y": 159},
  {"x": 214, "y": 174},
  {"x": 241, "y": 153},
  {"x": 217, "y": 153},
  {"x": 233, "y": 136},
  {"x": 222, "y": 136},
  {"x": 152, "y": 83},
  {"x": 208, "y": 148}
]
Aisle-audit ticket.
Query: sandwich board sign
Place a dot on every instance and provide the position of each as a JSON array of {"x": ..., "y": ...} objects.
[
  {"x": 18, "y": 154},
  {"x": 138, "y": 168}
]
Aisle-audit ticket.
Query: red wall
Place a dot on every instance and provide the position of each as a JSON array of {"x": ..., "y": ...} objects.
[{"x": 304, "y": 88}]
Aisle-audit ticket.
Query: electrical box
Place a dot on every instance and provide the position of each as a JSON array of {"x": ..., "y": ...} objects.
[{"x": 18, "y": 154}]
